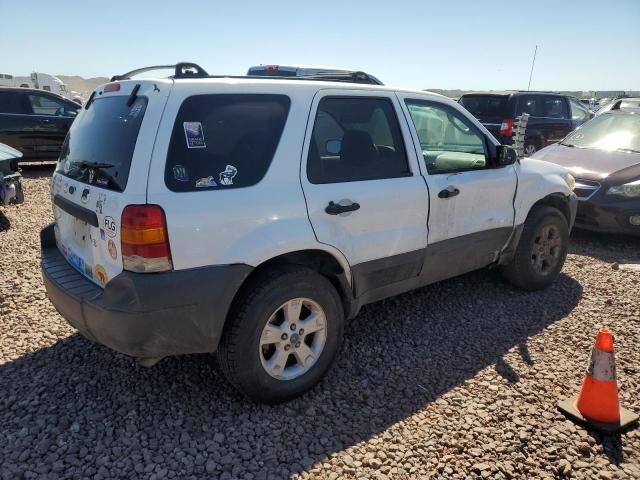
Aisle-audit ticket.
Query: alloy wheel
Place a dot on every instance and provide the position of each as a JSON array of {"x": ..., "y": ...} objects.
[
  {"x": 293, "y": 339},
  {"x": 547, "y": 247}
]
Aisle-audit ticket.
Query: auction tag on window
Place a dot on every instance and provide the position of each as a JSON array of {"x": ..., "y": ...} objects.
[{"x": 194, "y": 134}]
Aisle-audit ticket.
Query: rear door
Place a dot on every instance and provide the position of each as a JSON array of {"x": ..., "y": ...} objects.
[
  {"x": 103, "y": 167},
  {"x": 52, "y": 117},
  {"x": 362, "y": 186},
  {"x": 17, "y": 124},
  {"x": 556, "y": 118}
]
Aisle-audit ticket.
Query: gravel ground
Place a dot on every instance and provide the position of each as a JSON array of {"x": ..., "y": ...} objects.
[{"x": 457, "y": 380}]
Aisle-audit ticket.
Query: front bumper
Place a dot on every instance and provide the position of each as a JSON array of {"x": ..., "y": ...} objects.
[
  {"x": 608, "y": 215},
  {"x": 144, "y": 315}
]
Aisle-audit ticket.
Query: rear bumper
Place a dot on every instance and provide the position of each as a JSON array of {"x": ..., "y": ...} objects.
[
  {"x": 608, "y": 216},
  {"x": 144, "y": 315}
]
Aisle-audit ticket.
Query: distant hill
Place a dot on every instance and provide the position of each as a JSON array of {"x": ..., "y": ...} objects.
[{"x": 82, "y": 85}]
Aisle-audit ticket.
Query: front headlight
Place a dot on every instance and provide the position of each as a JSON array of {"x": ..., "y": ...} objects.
[
  {"x": 571, "y": 181},
  {"x": 629, "y": 190}
]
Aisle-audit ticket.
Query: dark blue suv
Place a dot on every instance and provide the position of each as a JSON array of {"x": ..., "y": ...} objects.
[{"x": 552, "y": 115}]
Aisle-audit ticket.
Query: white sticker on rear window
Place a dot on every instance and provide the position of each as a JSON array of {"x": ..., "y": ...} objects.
[{"x": 194, "y": 134}]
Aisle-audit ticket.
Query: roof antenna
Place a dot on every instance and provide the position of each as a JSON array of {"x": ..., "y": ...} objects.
[{"x": 532, "y": 64}]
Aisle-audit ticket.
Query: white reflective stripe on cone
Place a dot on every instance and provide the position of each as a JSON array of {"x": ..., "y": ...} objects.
[{"x": 602, "y": 366}]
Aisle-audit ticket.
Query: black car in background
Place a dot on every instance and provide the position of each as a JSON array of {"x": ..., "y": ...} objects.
[
  {"x": 35, "y": 122},
  {"x": 552, "y": 115}
]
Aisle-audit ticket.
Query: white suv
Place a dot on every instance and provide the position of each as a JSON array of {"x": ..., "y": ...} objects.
[{"x": 252, "y": 217}]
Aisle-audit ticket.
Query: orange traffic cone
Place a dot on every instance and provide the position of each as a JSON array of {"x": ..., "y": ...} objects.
[{"x": 597, "y": 404}]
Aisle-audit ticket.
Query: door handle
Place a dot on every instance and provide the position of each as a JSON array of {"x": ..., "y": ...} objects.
[
  {"x": 337, "y": 209},
  {"x": 44, "y": 120},
  {"x": 448, "y": 192}
]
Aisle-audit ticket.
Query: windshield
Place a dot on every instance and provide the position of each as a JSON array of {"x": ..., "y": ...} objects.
[
  {"x": 485, "y": 105},
  {"x": 610, "y": 131},
  {"x": 99, "y": 146}
]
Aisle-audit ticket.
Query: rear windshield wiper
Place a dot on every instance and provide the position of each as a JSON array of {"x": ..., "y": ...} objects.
[
  {"x": 96, "y": 165},
  {"x": 631, "y": 150},
  {"x": 567, "y": 144},
  {"x": 101, "y": 166}
]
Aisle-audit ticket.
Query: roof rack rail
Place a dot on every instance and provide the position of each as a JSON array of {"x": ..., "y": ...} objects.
[
  {"x": 181, "y": 70},
  {"x": 351, "y": 77}
]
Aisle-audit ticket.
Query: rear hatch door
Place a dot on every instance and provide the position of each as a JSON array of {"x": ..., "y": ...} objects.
[
  {"x": 103, "y": 168},
  {"x": 489, "y": 109}
]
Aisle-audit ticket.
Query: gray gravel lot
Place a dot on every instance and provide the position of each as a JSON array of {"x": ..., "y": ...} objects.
[{"x": 457, "y": 380}]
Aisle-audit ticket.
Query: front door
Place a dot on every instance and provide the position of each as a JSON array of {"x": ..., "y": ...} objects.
[
  {"x": 364, "y": 192},
  {"x": 471, "y": 199}
]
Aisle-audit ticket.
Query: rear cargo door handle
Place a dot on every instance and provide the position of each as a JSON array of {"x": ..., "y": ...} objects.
[
  {"x": 448, "y": 192},
  {"x": 337, "y": 209}
]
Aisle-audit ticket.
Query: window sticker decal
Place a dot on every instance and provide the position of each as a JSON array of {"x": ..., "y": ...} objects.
[
  {"x": 194, "y": 134},
  {"x": 110, "y": 226},
  {"x": 113, "y": 251},
  {"x": 226, "y": 177},
  {"x": 135, "y": 110},
  {"x": 180, "y": 173},
  {"x": 101, "y": 274},
  {"x": 206, "y": 182},
  {"x": 84, "y": 198},
  {"x": 102, "y": 199}
]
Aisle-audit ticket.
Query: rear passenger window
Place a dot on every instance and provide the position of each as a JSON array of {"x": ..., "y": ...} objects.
[
  {"x": 355, "y": 139},
  {"x": 224, "y": 141},
  {"x": 531, "y": 104},
  {"x": 13, "y": 102},
  {"x": 554, "y": 107}
]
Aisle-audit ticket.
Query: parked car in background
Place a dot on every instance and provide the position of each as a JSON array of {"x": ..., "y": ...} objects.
[
  {"x": 254, "y": 217},
  {"x": 604, "y": 157},
  {"x": 552, "y": 116},
  {"x": 624, "y": 103},
  {"x": 11, "y": 192},
  {"x": 35, "y": 122}
]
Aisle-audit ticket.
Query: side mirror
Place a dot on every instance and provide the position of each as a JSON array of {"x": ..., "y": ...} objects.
[
  {"x": 333, "y": 147},
  {"x": 506, "y": 155}
]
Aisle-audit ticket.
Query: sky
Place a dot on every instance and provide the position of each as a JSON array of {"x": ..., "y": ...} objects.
[{"x": 582, "y": 44}]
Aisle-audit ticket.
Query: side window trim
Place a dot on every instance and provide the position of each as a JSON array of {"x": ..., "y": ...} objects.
[
  {"x": 397, "y": 114},
  {"x": 485, "y": 140}
]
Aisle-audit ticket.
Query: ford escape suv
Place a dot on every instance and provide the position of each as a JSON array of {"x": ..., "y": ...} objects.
[{"x": 253, "y": 216}]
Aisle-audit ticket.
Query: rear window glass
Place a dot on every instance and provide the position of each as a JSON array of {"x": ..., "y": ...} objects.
[
  {"x": 485, "y": 105},
  {"x": 99, "y": 146},
  {"x": 224, "y": 141}
]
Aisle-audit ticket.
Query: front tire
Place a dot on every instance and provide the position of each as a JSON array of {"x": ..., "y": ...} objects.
[
  {"x": 283, "y": 334},
  {"x": 541, "y": 251}
]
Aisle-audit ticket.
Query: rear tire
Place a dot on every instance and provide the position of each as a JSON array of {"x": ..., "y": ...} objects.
[
  {"x": 541, "y": 251},
  {"x": 263, "y": 324}
]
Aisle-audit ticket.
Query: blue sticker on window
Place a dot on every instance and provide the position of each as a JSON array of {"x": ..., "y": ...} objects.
[
  {"x": 180, "y": 173},
  {"x": 194, "y": 134}
]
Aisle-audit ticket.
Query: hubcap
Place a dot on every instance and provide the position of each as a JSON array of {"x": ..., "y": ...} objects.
[
  {"x": 547, "y": 246},
  {"x": 293, "y": 339}
]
